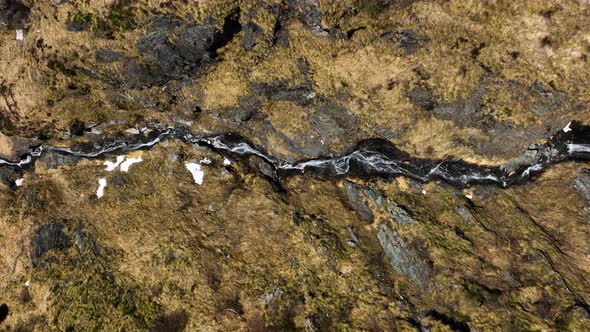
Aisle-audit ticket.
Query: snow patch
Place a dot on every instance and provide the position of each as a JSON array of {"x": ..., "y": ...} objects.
[
  {"x": 205, "y": 161},
  {"x": 102, "y": 183},
  {"x": 133, "y": 131},
  {"x": 567, "y": 128},
  {"x": 20, "y": 35},
  {"x": 19, "y": 182},
  {"x": 470, "y": 197},
  {"x": 111, "y": 166},
  {"x": 226, "y": 162},
  {"x": 130, "y": 161},
  {"x": 196, "y": 171}
]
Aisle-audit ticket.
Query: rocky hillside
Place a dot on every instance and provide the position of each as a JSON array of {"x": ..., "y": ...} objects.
[{"x": 108, "y": 225}]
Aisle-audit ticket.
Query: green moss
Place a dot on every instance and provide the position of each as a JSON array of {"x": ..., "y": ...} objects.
[
  {"x": 89, "y": 297},
  {"x": 81, "y": 18}
]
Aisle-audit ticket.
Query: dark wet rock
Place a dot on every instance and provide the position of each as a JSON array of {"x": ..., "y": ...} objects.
[
  {"x": 7, "y": 176},
  {"x": 355, "y": 200},
  {"x": 505, "y": 138},
  {"x": 251, "y": 33},
  {"x": 404, "y": 259},
  {"x": 582, "y": 184},
  {"x": 544, "y": 100},
  {"x": 422, "y": 98},
  {"x": 280, "y": 34},
  {"x": 55, "y": 160},
  {"x": 48, "y": 237},
  {"x": 174, "y": 48},
  {"x": 530, "y": 157},
  {"x": 106, "y": 56},
  {"x": 327, "y": 121},
  {"x": 13, "y": 13},
  {"x": 248, "y": 107},
  {"x": 330, "y": 120},
  {"x": 77, "y": 128},
  {"x": 4, "y": 311}
]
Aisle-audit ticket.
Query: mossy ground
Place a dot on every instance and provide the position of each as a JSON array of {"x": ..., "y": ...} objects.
[{"x": 235, "y": 254}]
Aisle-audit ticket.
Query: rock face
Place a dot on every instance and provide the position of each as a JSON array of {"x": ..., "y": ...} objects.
[
  {"x": 582, "y": 184},
  {"x": 405, "y": 260},
  {"x": 46, "y": 238},
  {"x": 13, "y": 13},
  {"x": 363, "y": 165}
]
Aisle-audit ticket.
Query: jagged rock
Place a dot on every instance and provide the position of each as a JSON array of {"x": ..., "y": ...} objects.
[
  {"x": 4, "y": 311},
  {"x": 404, "y": 259},
  {"x": 174, "y": 48},
  {"x": 251, "y": 32},
  {"x": 356, "y": 201},
  {"x": 85, "y": 242},
  {"x": 48, "y": 237},
  {"x": 582, "y": 184},
  {"x": 54, "y": 160},
  {"x": 13, "y": 13},
  {"x": 398, "y": 213},
  {"x": 395, "y": 211}
]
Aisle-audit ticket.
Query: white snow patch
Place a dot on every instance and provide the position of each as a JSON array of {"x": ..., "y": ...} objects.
[
  {"x": 95, "y": 131},
  {"x": 196, "y": 171},
  {"x": 27, "y": 283},
  {"x": 20, "y": 35},
  {"x": 226, "y": 162},
  {"x": 567, "y": 128},
  {"x": 470, "y": 197},
  {"x": 19, "y": 182},
  {"x": 423, "y": 192},
  {"x": 130, "y": 161},
  {"x": 133, "y": 131},
  {"x": 205, "y": 161},
  {"x": 111, "y": 166},
  {"x": 102, "y": 183}
]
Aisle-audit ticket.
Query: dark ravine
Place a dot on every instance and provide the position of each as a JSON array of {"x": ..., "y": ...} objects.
[{"x": 373, "y": 157}]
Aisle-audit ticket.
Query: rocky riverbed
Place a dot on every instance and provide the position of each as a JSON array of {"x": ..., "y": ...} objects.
[{"x": 294, "y": 165}]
